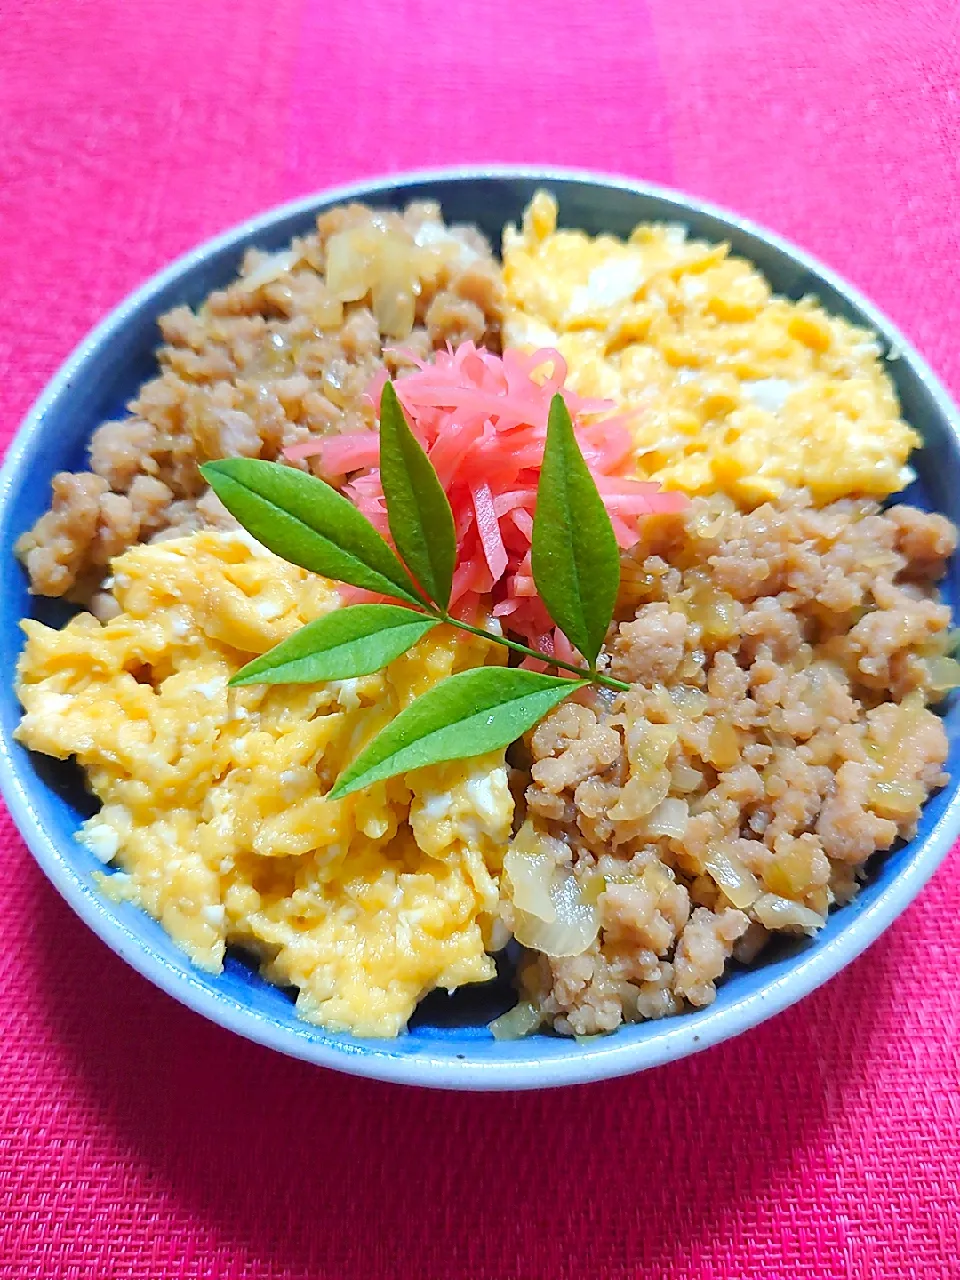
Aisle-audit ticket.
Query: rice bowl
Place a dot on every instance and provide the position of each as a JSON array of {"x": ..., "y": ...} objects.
[{"x": 601, "y": 1051}]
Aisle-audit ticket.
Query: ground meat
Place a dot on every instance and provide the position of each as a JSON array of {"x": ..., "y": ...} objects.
[
  {"x": 924, "y": 539},
  {"x": 283, "y": 354},
  {"x": 883, "y": 641},
  {"x": 57, "y": 550},
  {"x": 630, "y": 911},
  {"x": 585, "y": 1000},
  {"x": 570, "y": 746},
  {"x": 847, "y": 828},
  {"x": 703, "y": 950},
  {"x": 649, "y": 648},
  {"x": 777, "y": 735}
]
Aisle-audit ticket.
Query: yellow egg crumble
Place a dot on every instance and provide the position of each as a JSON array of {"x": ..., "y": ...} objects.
[
  {"x": 214, "y": 799},
  {"x": 728, "y": 387}
]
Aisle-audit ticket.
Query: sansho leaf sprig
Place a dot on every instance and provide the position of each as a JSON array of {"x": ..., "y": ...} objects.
[{"x": 576, "y": 570}]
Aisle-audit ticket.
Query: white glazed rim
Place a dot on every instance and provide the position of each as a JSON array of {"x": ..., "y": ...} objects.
[{"x": 607, "y": 1058}]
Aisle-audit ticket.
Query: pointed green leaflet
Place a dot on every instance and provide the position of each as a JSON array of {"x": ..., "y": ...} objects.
[
  {"x": 466, "y": 715},
  {"x": 575, "y": 558},
  {"x": 419, "y": 514},
  {"x": 305, "y": 521},
  {"x": 339, "y": 646}
]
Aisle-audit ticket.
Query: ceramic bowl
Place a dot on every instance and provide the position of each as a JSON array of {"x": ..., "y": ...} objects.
[{"x": 448, "y": 1044}]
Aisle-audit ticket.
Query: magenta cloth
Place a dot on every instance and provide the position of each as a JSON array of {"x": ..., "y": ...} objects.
[{"x": 138, "y": 1141}]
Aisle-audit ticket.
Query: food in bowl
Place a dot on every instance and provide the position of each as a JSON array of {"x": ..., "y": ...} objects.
[
  {"x": 283, "y": 354},
  {"x": 729, "y": 388},
  {"x": 214, "y": 799},
  {"x": 775, "y": 736},
  {"x": 781, "y": 641}
]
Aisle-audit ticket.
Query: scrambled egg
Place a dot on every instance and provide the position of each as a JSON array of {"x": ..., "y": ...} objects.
[
  {"x": 214, "y": 799},
  {"x": 728, "y": 387}
]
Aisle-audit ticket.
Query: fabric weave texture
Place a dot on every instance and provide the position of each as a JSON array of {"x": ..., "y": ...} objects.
[{"x": 137, "y": 1141}]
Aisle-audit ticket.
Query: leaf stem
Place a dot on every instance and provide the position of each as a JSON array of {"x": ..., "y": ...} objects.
[{"x": 596, "y": 677}]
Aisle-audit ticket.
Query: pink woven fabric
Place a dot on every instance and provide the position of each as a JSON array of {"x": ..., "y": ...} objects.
[{"x": 138, "y": 1141}]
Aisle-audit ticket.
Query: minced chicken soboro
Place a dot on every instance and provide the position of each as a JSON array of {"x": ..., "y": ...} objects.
[
  {"x": 283, "y": 354},
  {"x": 776, "y": 735}
]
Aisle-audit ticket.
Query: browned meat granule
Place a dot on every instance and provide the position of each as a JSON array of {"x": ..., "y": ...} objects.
[
  {"x": 775, "y": 737},
  {"x": 283, "y": 354}
]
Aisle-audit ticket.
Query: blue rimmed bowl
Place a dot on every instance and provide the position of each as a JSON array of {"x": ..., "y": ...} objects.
[{"x": 448, "y": 1045}]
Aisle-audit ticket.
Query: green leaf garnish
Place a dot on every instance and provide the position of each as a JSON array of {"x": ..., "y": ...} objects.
[
  {"x": 574, "y": 556},
  {"x": 576, "y": 568},
  {"x": 339, "y": 646},
  {"x": 305, "y": 521},
  {"x": 418, "y": 511},
  {"x": 466, "y": 715}
]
